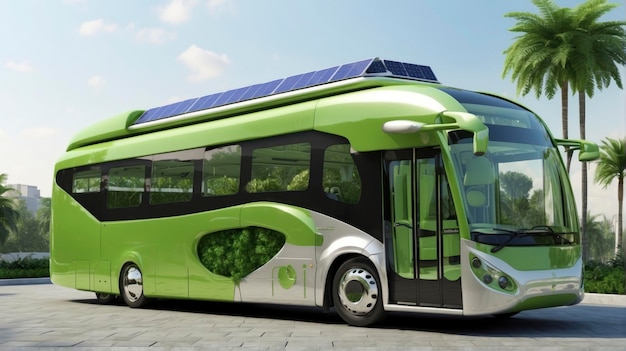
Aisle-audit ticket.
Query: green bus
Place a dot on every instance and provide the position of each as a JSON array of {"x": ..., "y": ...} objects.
[{"x": 365, "y": 188}]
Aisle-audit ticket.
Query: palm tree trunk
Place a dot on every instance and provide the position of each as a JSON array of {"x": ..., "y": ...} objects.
[
  {"x": 620, "y": 234},
  {"x": 564, "y": 112},
  {"x": 583, "y": 232}
]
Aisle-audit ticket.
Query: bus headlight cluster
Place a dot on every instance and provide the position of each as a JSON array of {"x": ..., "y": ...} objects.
[{"x": 491, "y": 276}]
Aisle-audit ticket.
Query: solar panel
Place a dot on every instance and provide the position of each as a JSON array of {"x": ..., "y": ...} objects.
[{"x": 364, "y": 68}]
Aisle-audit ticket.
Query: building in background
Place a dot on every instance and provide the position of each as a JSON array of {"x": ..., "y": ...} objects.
[{"x": 28, "y": 193}]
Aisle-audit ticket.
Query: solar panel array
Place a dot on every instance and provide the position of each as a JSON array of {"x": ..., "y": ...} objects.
[{"x": 370, "y": 67}]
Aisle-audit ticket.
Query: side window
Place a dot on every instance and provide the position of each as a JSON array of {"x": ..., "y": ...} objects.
[
  {"x": 125, "y": 186},
  {"x": 172, "y": 181},
  {"x": 340, "y": 179},
  {"x": 87, "y": 181},
  {"x": 221, "y": 171},
  {"x": 280, "y": 168}
]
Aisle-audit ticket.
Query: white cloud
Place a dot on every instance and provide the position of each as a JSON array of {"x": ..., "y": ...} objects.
[
  {"x": 177, "y": 11},
  {"x": 38, "y": 133},
  {"x": 95, "y": 27},
  {"x": 155, "y": 35},
  {"x": 204, "y": 64},
  {"x": 95, "y": 81},
  {"x": 23, "y": 67}
]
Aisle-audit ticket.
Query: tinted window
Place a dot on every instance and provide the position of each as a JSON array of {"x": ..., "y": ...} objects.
[
  {"x": 280, "y": 168},
  {"x": 125, "y": 186},
  {"x": 340, "y": 179},
  {"x": 221, "y": 171}
]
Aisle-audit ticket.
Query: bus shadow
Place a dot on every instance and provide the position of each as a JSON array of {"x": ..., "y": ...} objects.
[
  {"x": 582, "y": 321},
  {"x": 586, "y": 321}
]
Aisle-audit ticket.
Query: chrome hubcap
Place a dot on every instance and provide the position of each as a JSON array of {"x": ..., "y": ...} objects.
[
  {"x": 358, "y": 291},
  {"x": 132, "y": 284}
]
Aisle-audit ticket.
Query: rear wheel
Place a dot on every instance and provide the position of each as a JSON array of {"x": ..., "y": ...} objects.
[
  {"x": 105, "y": 298},
  {"x": 357, "y": 293},
  {"x": 131, "y": 286}
]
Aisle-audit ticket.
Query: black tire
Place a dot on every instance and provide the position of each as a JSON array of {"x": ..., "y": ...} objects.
[
  {"x": 105, "y": 298},
  {"x": 357, "y": 293},
  {"x": 131, "y": 286},
  {"x": 505, "y": 315}
]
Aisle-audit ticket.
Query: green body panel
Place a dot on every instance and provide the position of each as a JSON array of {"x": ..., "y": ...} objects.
[
  {"x": 120, "y": 126},
  {"x": 287, "y": 119},
  {"x": 74, "y": 242},
  {"x": 295, "y": 223},
  {"x": 359, "y": 116},
  {"x": 546, "y": 301},
  {"x": 88, "y": 255},
  {"x": 356, "y": 110},
  {"x": 111, "y": 128},
  {"x": 528, "y": 258}
]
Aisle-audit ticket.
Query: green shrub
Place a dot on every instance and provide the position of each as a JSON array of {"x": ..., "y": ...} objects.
[
  {"x": 236, "y": 253},
  {"x": 25, "y": 268},
  {"x": 604, "y": 279}
]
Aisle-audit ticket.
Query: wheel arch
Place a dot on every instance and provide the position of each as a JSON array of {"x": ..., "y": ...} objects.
[
  {"x": 332, "y": 271},
  {"x": 125, "y": 260}
]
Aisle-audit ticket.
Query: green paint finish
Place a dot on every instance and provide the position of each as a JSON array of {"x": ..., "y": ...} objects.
[
  {"x": 295, "y": 223},
  {"x": 528, "y": 258},
  {"x": 235, "y": 253},
  {"x": 108, "y": 129},
  {"x": 287, "y": 276},
  {"x": 546, "y": 301},
  {"x": 359, "y": 116},
  {"x": 281, "y": 120},
  {"x": 164, "y": 248},
  {"x": 117, "y": 127}
]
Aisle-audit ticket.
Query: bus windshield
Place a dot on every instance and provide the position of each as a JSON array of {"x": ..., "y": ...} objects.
[{"x": 517, "y": 194}]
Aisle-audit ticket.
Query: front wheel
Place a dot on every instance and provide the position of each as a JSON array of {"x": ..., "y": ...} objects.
[
  {"x": 131, "y": 286},
  {"x": 357, "y": 293}
]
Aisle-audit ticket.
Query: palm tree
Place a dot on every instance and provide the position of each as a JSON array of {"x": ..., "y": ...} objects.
[
  {"x": 8, "y": 214},
  {"x": 600, "y": 234},
  {"x": 612, "y": 166},
  {"x": 43, "y": 215},
  {"x": 599, "y": 52},
  {"x": 539, "y": 58},
  {"x": 567, "y": 47}
]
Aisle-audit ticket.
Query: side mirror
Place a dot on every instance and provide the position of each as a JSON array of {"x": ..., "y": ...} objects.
[
  {"x": 463, "y": 120},
  {"x": 589, "y": 151}
]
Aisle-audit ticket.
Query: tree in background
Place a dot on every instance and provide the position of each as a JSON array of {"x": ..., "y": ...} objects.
[
  {"x": 8, "y": 214},
  {"x": 601, "y": 238},
  {"x": 598, "y": 53},
  {"x": 43, "y": 215},
  {"x": 611, "y": 167},
  {"x": 563, "y": 47},
  {"x": 538, "y": 59},
  {"x": 28, "y": 236}
]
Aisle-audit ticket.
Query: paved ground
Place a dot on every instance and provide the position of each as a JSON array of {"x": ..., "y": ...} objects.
[{"x": 48, "y": 316}]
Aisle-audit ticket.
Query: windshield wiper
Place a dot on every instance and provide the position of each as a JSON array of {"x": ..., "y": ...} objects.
[
  {"x": 515, "y": 234},
  {"x": 538, "y": 230}
]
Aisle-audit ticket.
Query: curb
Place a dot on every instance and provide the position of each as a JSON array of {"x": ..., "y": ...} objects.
[
  {"x": 25, "y": 281},
  {"x": 604, "y": 299}
]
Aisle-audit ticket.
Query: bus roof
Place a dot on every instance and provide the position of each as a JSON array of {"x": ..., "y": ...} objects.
[{"x": 353, "y": 76}]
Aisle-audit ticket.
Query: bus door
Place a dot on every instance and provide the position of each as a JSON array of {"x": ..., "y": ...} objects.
[{"x": 422, "y": 243}]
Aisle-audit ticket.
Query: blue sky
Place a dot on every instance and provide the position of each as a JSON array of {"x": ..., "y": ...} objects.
[{"x": 66, "y": 64}]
